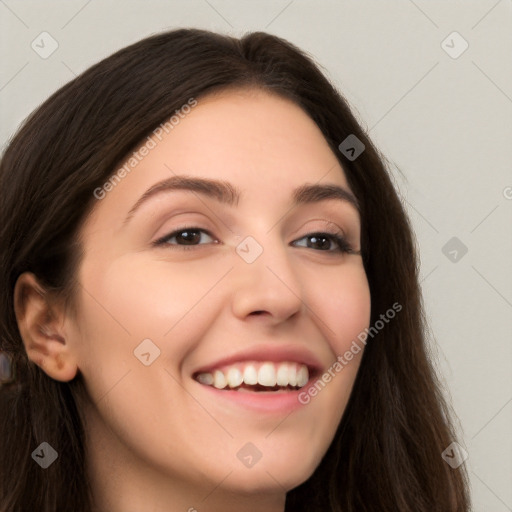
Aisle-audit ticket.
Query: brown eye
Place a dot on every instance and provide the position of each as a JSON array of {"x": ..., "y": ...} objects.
[
  {"x": 325, "y": 241},
  {"x": 184, "y": 237},
  {"x": 189, "y": 237}
]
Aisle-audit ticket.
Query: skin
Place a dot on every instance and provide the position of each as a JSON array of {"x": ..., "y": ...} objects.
[{"x": 156, "y": 440}]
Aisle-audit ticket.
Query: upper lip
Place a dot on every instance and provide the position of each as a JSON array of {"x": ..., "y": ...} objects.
[{"x": 271, "y": 353}]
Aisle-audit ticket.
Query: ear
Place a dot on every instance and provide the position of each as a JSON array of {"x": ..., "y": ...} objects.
[{"x": 41, "y": 325}]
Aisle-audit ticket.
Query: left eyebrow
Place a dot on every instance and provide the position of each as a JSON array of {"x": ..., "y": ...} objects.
[
  {"x": 226, "y": 193},
  {"x": 314, "y": 193}
]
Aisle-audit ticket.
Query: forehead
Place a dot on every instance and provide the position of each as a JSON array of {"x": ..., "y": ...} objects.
[
  {"x": 264, "y": 144},
  {"x": 243, "y": 130}
]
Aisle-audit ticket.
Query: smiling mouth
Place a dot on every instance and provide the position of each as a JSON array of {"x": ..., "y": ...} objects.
[{"x": 257, "y": 376}]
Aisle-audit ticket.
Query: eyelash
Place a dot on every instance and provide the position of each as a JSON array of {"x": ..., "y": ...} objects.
[{"x": 340, "y": 240}]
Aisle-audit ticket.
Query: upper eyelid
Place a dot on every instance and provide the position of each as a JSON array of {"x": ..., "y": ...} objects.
[
  {"x": 335, "y": 230},
  {"x": 199, "y": 224},
  {"x": 229, "y": 217}
]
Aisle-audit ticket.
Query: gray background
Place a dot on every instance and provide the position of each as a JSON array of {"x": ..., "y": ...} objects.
[{"x": 444, "y": 123}]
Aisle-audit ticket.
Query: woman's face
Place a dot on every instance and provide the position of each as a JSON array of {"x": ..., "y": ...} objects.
[{"x": 245, "y": 291}]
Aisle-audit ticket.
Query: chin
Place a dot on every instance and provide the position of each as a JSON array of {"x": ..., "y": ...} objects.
[{"x": 269, "y": 478}]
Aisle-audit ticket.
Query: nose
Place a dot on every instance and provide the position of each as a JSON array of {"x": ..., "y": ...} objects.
[{"x": 269, "y": 286}]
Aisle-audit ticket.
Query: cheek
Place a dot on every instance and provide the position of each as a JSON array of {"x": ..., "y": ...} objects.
[
  {"x": 124, "y": 305},
  {"x": 341, "y": 308},
  {"x": 132, "y": 301},
  {"x": 342, "y": 303},
  {"x": 159, "y": 294}
]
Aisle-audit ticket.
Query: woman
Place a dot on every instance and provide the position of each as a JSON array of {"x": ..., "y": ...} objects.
[{"x": 211, "y": 296}]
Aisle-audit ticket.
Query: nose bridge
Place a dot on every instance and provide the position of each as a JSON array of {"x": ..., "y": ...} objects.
[{"x": 266, "y": 280}]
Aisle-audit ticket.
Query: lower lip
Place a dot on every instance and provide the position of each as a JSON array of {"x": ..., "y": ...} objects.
[{"x": 283, "y": 402}]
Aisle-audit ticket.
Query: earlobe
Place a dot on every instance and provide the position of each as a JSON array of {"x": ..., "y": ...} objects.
[{"x": 40, "y": 323}]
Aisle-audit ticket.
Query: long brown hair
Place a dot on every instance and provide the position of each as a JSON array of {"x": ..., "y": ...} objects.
[{"x": 386, "y": 454}]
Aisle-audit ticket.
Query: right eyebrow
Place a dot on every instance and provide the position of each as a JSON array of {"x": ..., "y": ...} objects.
[{"x": 222, "y": 191}]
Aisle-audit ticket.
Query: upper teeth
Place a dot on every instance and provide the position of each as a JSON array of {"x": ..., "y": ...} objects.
[{"x": 266, "y": 374}]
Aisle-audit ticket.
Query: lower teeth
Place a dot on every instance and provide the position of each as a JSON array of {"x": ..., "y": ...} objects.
[{"x": 263, "y": 389}]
